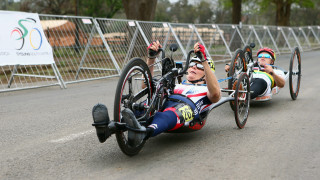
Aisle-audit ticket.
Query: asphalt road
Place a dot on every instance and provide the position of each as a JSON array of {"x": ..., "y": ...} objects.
[{"x": 46, "y": 133}]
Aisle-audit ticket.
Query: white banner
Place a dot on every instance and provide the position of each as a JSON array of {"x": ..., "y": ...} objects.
[{"x": 22, "y": 40}]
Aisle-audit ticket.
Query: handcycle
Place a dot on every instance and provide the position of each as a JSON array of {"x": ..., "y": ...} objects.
[
  {"x": 145, "y": 95},
  {"x": 243, "y": 61}
]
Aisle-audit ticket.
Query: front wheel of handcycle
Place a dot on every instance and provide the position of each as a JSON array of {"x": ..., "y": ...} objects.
[
  {"x": 242, "y": 100},
  {"x": 247, "y": 53},
  {"x": 295, "y": 73},
  {"x": 237, "y": 66},
  {"x": 134, "y": 91}
]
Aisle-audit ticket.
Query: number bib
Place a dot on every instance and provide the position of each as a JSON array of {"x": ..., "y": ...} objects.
[{"x": 185, "y": 112}]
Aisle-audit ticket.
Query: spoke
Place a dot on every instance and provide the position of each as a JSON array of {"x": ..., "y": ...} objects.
[
  {"x": 243, "y": 102},
  {"x": 240, "y": 111}
]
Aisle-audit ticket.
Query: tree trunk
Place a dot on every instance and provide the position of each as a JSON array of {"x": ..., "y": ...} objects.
[
  {"x": 236, "y": 18},
  {"x": 236, "y": 11},
  {"x": 143, "y": 10},
  {"x": 283, "y": 12}
]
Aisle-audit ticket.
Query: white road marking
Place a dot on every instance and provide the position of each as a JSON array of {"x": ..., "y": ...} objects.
[{"x": 72, "y": 137}]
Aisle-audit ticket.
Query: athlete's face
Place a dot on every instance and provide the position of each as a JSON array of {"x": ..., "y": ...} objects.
[
  {"x": 195, "y": 73},
  {"x": 265, "y": 59}
]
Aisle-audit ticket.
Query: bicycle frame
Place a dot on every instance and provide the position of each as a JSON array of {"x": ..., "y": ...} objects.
[{"x": 163, "y": 89}]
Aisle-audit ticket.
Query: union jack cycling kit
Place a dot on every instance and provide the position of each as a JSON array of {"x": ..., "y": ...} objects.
[{"x": 186, "y": 104}]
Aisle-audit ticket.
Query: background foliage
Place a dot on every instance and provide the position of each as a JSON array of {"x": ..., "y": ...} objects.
[{"x": 260, "y": 12}]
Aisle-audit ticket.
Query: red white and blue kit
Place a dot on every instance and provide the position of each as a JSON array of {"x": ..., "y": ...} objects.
[{"x": 182, "y": 107}]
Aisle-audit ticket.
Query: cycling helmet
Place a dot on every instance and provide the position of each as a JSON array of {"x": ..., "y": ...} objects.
[
  {"x": 269, "y": 51},
  {"x": 210, "y": 62},
  {"x": 195, "y": 58}
]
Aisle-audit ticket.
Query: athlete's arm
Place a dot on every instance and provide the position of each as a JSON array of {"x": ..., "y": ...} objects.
[
  {"x": 212, "y": 83},
  {"x": 211, "y": 80},
  {"x": 154, "y": 46},
  {"x": 280, "y": 82}
]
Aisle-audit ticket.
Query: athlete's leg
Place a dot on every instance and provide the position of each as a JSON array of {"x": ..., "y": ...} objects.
[
  {"x": 258, "y": 86},
  {"x": 163, "y": 121},
  {"x": 171, "y": 118}
]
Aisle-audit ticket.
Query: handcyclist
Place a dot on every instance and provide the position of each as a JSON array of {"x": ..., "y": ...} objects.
[
  {"x": 200, "y": 89},
  {"x": 264, "y": 77}
]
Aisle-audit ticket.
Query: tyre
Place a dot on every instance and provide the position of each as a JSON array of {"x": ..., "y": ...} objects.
[
  {"x": 237, "y": 66},
  {"x": 247, "y": 53},
  {"x": 167, "y": 66},
  {"x": 242, "y": 100},
  {"x": 134, "y": 88},
  {"x": 295, "y": 73}
]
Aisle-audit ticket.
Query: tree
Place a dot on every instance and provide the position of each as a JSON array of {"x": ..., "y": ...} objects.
[
  {"x": 140, "y": 9},
  {"x": 205, "y": 13},
  {"x": 3, "y": 4},
  {"x": 53, "y": 6},
  {"x": 9, "y": 5},
  {"x": 235, "y": 6},
  {"x": 184, "y": 12},
  {"x": 283, "y": 9},
  {"x": 236, "y": 11},
  {"x": 97, "y": 8},
  {"x": 236, "y": 18},
  {"x": 222, "y": 12},
  {"x": 305, "y": 16},
  {"x": 163, "y": 11},
  {"x": 100, "y": 8},
  {"x": 56, "y": 7}
]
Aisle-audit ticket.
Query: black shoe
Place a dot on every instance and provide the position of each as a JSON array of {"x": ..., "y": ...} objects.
[
  {"x": 134, "y": 138},
  {"x": 101, "y": 121},
  {"x": 149, "y": 132}
]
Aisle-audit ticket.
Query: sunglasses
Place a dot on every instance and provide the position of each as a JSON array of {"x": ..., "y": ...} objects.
[
  {"x": 199, "y": 66},
  {"x": 264, "y": 55}
]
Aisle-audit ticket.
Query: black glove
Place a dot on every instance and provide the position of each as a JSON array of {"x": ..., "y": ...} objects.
[
  {"x": 201, "y": 52},
  {"x": 151, "y": 53}
]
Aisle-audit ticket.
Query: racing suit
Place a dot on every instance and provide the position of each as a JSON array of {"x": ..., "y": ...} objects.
[
  {"x": 186, "y": 104},
  {"x": 262, "y": 82}
]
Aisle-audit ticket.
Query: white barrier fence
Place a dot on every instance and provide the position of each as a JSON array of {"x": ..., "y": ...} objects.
[{"x": 86, "y": 48}]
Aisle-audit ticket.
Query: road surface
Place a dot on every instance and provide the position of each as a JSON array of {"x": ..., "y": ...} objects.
[{"x": 46, "y": 133}]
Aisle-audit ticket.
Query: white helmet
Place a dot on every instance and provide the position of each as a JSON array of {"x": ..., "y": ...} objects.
[{"x": 210, "y": 62}]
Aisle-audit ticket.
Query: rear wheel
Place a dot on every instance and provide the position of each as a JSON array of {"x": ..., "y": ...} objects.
[
  {"x": 237, "y": 66},
  {"x": 134, "y": 90},
  {"x": 295, "y": 73},
  {"x": 242, "y": 100}
]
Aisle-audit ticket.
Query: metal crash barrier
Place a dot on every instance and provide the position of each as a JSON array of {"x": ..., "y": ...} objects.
[{"x": 87, "y": 48}]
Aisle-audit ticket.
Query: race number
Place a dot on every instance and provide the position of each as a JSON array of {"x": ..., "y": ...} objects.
[{"x": 186, "y": 112}]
